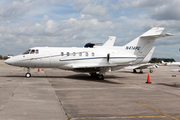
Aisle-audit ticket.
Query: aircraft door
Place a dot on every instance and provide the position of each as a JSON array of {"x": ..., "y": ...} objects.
[
  {"x": 47, "y": 59},
  {"x": 36, "y": 62},
  {"x": 36, "y": 59}
]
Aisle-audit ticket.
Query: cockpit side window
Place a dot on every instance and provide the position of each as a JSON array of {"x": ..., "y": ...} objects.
[
  {"x": 37, "y": 51},
  {"x": 32, "y": 51},
  {"x": 27, "y": 52}
]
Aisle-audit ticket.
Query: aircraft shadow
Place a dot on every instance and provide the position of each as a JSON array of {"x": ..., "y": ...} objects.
[
  {"x": 87, "y": 77},
  {"x": 84, "y": 77},
  {"x": 170, "y": 85}
]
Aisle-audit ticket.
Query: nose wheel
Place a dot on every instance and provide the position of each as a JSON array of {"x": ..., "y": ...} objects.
[{"x": 28, "y": 74}]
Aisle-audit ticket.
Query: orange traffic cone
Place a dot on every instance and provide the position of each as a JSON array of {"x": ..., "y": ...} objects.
[
  {"x": 148, "y": 79},
  {"x": 38, "y": 70},
  {"x": 42, "y": 69}
]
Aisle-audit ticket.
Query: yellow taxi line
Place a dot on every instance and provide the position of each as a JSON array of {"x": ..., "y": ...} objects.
[
  {"x": 94, "y": 84},
  {"x": 116, "y": 117},
  {"x": 158, "y": 111}
]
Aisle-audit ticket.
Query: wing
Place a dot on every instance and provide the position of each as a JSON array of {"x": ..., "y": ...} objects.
[{"x": 97, "y": 68}]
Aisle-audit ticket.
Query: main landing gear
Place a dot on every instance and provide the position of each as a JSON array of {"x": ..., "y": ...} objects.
[
  {"x": 28, "y": 74},
  {"x": 98, "y": 76}
]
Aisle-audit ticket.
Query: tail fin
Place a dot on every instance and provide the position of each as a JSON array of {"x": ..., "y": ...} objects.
[
  {"x": 142, "y": 44},
  {"x": 110, "y": 41}
]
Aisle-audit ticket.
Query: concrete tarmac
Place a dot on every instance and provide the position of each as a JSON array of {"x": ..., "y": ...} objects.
[{"x": 65, "y": 95}]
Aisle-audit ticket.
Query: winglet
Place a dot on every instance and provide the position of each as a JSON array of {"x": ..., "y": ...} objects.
[{"x": 110, "y": 41}]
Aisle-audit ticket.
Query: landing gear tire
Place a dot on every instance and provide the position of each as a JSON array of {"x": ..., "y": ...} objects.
[
  {"x": 151, "y": 71},
  {"x": 93, "y": 75},
  {"x": 141, "y": 71},
  {"x": 28, "y": 75},
  {"x": 134, "y": 71},
  {"x": 100, "y": 77}
]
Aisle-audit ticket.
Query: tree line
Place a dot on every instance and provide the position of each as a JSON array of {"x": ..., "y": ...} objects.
[
  {"x": 159, "y": 60},
  {"x": 4, "y": 57}
]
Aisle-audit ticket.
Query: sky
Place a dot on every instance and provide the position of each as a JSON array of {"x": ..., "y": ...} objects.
[{"x": 73, "y": 23}]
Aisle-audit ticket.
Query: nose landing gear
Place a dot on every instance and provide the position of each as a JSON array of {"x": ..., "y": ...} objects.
[{"x": 28, "y": 74}]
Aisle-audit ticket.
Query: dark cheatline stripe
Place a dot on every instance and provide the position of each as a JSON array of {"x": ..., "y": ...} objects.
[{"x": 98, "y": 58}]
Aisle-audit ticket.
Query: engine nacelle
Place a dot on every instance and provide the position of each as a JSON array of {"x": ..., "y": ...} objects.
[{"x": 120, "y": 58}]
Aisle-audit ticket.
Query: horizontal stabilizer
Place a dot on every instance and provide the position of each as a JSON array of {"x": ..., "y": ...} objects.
[
  {"x": 153, "y": 31},
  {"x": 157, "y": 36}
]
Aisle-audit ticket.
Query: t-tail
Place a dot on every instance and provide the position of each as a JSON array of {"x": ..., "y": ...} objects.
[{"x": 142, "y": 44}]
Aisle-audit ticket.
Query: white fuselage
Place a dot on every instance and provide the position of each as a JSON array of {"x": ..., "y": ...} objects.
[
  {"x": 172, "y": 64},
  {"x": 71, "y": 58}
]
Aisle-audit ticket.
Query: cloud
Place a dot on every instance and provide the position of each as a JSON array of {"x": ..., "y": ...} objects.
[
  {"x": 45, "y": 17},
  {"x": 81, "y": 3},
  {"x": 29, "y": 23},
  {"x": 59, "y": 1},
  {"x": 141, "y": 3},
  {"x": 167, "y": 11},
  {"x": 95, "y": 10},
  {"x": 17, "y": 9}
]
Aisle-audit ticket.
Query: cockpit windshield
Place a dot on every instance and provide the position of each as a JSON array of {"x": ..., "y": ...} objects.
[
  {"x": 27, "y": 52},
  {"x": 31, "y": 51}
]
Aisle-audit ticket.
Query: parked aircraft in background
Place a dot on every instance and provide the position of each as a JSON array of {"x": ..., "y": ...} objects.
[
  {"x": 95, "y": 60},
  {"x": 171, "y": 63},
  {"x": 144, "y": 66}
]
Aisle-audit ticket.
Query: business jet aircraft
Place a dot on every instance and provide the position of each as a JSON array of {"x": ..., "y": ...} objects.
[
  {"x": 146, "y": 65},
  {"x": 92, "y": 59},
  {"x": 143, "y": 66},
  {"x": 171, "y": 63}
]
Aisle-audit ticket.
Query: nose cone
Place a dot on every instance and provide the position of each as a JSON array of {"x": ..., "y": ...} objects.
[{"x": 9, "y": 61}]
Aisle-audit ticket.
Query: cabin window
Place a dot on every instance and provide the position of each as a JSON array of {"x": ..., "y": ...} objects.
[
  {"x": 37, "y": 51},
  {"x": 74, "y": 54},
  {"x": 92, "y": 53},
  {"x": 32, "y": 51},
  {"x": 86, "y": 53},
  {"x": 62, "y": 54},
  {"x": 67, "y": 53},
  {"x": 27, "y": 52},
  {"x": 80, "y": 54}
]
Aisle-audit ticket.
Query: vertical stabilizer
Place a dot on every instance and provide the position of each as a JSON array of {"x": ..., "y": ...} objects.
[
  {"x": 142, "y": 44},
  {"x": 110, "y": 41}
]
